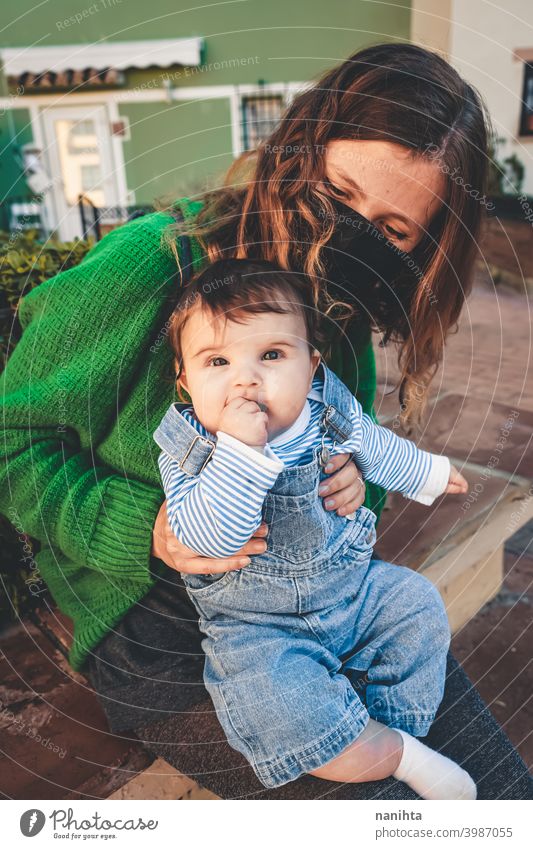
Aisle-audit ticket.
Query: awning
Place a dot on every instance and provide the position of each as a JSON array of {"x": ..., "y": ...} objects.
[{"x": 117, "y": 55}]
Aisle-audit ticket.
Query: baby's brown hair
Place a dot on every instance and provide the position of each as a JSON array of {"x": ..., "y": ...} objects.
[{"x": 235, "y": 288}]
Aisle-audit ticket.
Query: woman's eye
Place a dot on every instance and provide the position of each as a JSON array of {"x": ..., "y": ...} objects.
[
  {"x": 336, "y": 191},
  {"x": 217, "y": 361},
  {"x": 395, "y": 233},
  {"x": 276, "y": 354}
]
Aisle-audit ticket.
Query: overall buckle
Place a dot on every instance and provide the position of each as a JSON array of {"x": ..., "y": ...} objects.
[
  {"x": 334, "y": 420},
  {"x": 196, "y": 439}
]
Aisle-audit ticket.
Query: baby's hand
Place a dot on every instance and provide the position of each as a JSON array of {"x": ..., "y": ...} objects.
[
  {"x": 244, "y": 420},
  {"x": 456, "y": 482}
]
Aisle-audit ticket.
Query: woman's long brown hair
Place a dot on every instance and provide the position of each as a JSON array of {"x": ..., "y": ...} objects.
[{"x": 273, "y": 205}]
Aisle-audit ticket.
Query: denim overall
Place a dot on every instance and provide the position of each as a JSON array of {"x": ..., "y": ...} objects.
[{"x": 314, "y": 636}]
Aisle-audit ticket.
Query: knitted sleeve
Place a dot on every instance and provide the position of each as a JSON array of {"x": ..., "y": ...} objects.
[{"x": 85, "y": 332}]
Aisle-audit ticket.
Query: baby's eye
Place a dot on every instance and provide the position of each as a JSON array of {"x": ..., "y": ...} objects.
[
  {"x": 277, "y": 355},
  {"x": 217, "y": 361}
]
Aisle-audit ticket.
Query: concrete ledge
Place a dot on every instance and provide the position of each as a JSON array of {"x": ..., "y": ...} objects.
[
  {"x": 460, "y": 550},
  {"x": 162, "y": 781}
]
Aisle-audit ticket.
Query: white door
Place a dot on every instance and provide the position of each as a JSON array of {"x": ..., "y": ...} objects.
[{"x": 80, "y": 155}]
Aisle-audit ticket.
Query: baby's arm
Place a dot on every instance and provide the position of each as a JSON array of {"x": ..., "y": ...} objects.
[
  {"x": 395, "y": 463},
  {"x": 217, "y": 511}
]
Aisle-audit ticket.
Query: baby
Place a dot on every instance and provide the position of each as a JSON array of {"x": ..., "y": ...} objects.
[{"x": 319, "y": 659}]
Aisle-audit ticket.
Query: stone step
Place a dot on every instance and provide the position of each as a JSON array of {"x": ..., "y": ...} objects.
[
  {"x": 460, "y": 550},
  {"x": 458, "y": 541},
  {"x": 162, "y": 781}
]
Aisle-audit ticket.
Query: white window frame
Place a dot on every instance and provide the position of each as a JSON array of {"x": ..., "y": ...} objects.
[{"x": 287, "y": 91}]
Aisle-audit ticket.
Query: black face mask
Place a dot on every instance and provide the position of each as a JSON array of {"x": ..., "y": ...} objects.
[{"x": 366, "y": 270}]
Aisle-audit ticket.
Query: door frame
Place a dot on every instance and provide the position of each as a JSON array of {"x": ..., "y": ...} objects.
[{"x": 57, "y": 210}]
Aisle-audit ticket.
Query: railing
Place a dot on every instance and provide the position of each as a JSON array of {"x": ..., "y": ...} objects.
[
  {"x": 97, "y": 219},
  {"x": 27, "y": 213}
]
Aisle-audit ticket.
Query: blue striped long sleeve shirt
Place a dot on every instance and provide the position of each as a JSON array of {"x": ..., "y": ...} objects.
[{"x": 217, "y": 511}]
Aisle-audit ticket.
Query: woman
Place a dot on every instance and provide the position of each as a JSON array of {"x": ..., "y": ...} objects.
[{"x": 352, "y": 189}]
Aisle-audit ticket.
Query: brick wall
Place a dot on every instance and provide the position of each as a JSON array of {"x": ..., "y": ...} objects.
[{"x": 507, "y": 248}]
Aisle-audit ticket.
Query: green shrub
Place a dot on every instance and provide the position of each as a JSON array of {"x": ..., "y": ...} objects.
[
  {"x": 506, "y": 176},
  {"x": 24, "y": 264}
]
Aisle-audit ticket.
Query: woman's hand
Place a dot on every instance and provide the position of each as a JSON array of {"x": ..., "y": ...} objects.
[
  {"x": 345, "y": 490},
  {"x": 177, "y": 556}
]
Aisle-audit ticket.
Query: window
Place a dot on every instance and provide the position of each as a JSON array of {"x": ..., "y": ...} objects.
[
  {"x": 80, "y": 160},
  {"x": 82, "y": 128},
  {"x": 260, "y": 116},
  {"x": 90, "y": 177},
  {"x": 526, "y": 120}
]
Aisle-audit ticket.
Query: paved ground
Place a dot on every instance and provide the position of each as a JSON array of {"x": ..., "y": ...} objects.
[{"x": 491, "y": 358}]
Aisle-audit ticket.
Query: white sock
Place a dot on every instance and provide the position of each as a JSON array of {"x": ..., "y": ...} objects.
[{"x": 430, "y": 774}]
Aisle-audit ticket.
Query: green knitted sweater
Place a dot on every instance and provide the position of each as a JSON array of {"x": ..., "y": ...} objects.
[{"x": 82, "y": 395}]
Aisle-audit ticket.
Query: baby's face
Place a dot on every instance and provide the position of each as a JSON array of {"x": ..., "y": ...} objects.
[{"x": 266, "y": 359}]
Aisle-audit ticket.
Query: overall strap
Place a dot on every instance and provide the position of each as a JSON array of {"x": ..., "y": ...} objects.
[
  {"x": 181, "y": 441},
  {"x": 336, "y": 424},
  {"x": 337, "y": 400}
]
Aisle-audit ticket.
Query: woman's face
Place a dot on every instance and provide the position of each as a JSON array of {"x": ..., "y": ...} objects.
[{"x": 400, "y": 193}]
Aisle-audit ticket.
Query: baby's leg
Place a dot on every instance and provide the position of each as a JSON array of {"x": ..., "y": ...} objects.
[
  {"x": 400, "y": 638},
  {"x": 374, "y": 755},
  {"x": 380, "y": 751}
]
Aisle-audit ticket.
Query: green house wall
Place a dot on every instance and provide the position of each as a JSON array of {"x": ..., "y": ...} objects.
[
  {"x": 176, "y": 149},
  {"x": 293, "y": 40},
  {"x": 181, "y": 146}
]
